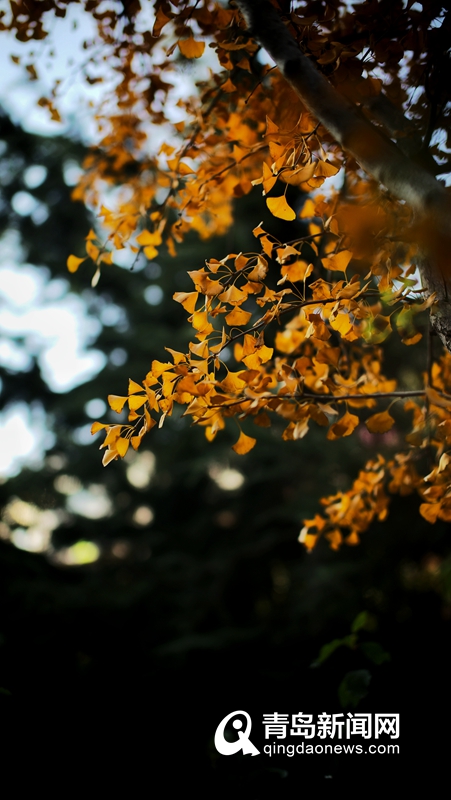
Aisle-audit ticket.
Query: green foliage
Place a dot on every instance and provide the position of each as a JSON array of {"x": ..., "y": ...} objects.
[
  {"x": 354, "y": 688},
  {"x": 327, "y": 649}
]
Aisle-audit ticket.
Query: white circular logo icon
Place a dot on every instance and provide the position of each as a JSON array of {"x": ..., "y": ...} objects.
[{"x": 229, "y": 748}]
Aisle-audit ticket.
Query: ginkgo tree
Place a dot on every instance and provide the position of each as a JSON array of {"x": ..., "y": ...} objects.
[{"x": 347, "y": 103}]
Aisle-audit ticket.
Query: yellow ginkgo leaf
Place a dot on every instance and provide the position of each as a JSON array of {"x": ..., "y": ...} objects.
[
  {"x": 308, "y": 539},
  {"x": 344, "y": 426},
  {"x": 279, "y": 207},
  {"x": 341, "y": 323},
  {"x": 122, "y": 445},
  {"x": 380, "y": 423},
  {"x": 297, "y": 176},
  {"x": 308, "y": 209},
  {"x": 337, "y": 262},
  {"x": 150, "y": 252},
  {"x": 135, "y": 401},
  {"x": 268, "y": 179},
  {"x": 232, "y": 383},
  {"x": 200, "y": 349},
  {"x": 98, "y": 426},
  {"x": 335, "y": 538},
  {"x": 116, "y": 402},
  {"x": 92, "y": 250},
  {"x": 409, "y": 340},
  {"x": 73, "y": 263},
  {"x": 176, "y": 355},
  {"x": 199, "y": 321},
  {"x": 134, "y": 387},
  {"x": 325, "y": 169},
  {"x": 148, "y": 238},
  {"x": 244, "y": 444},
  {"x": 159, "y": 367},
  {"x": 186, "y": 299},
  {"x": 298, "y": 271},
  {"x": 180, "y": 166},
  {"x": 430, "y": 511},
  {"x": 184, "y": 169},
  {"x": 233, "y": 295},
  {"x": 238, "y": 317},
  {"x": 109, "y": 455},
  {"x": 190, "y": 48},
  {"x": 113, "y": 433}
]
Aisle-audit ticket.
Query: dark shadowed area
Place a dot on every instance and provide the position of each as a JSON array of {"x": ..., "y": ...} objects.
[{"x": 142, "y": 603}]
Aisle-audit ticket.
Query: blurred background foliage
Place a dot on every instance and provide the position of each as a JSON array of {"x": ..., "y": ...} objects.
[{"x": 155, "y": 596}]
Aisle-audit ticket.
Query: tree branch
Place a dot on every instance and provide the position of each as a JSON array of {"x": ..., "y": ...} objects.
[{"x": 375, "y": 153}]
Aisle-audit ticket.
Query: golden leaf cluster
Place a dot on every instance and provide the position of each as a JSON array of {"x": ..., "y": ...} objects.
[{"x": 292, "y": 331}]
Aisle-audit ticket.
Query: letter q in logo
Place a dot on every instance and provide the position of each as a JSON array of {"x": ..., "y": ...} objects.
[{"x": 229, "y": 748}]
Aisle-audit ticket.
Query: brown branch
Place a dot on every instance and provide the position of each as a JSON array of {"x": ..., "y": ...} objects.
[
  {"x": 293, "y": 307},
  {"x": 375, "y": 153},
  {"x": 335, "y": 398},
  {"x": 329, "y": 398}
]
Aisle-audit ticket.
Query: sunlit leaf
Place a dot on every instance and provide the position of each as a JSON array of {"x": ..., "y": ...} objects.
[
  {"x": 430, "y": 511},
  {"x": 187, "y": 300},
  {"x": 92, "y": 250},
  {"x": 150, "y": 252},
  {"x": 232, "y": 382},
  {"x": 73, "y": 263},
  {"x": 380, "y": 423},
  {"x": 279, "y": 207},
  {"x": 108, "y": 456},
  {"x": 134, "y": 387},
  {"x": 341, "y": 323},
  {"x": 116, "y": 402},
  {"x": 233, "y": 295},
  {"x": 325, "y": 169},
  {"x": 114, "y": 431},
  {"x": 244, "y": 444},
  {"x": 98, "y": 426},
  {"x": 297, "y": 176},
  {"x": 308, "y": 209},
  {"x": 344, "y": 427},
  {"x": 337, "y": 262},
  {"x": 238, "y": 317},
  {"x": 190, "y": 48},
  {"x": 122, "y": 446},
  {"x": 135, "y": 401},
  {"x": 148, "y": 238}
]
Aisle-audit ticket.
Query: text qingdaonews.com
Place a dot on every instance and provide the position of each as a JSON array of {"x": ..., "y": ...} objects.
[{"x": 325, "y": 749}]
